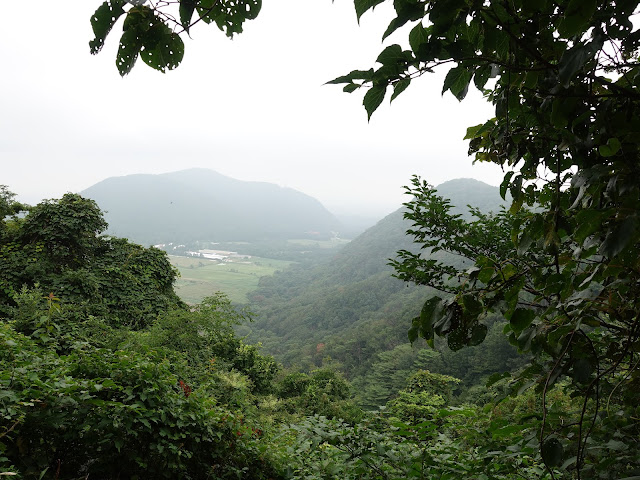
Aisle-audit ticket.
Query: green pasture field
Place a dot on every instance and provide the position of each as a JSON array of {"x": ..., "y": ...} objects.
[{"x": 200, "y": 277}]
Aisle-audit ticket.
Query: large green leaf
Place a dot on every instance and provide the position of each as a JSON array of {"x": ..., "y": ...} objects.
[
  {"x": 363, "y": 5},
  {"x": 406, "y": 10},
  {"x": 572, "y": 62},
  {"x": 418, "y": 36},
  {"x": 130, "y": 45},
  {"x": 457, "y": 81},
  {"x": 478, "y": 334},
  {"x": 391, "y": 55},
  {"x": 400, "y": 87},
  {"x": 552, "y": 452},
  {"x": 187, "y": 7},
  {"x": 610, "y": 148},
  {"x": 472, "y": 305},
  {"x": 373, "y": 98},
  {"x": 521, "y": 319},
  {"x": 577, "y": 17},
  {"x": 620, "y": 237},
  {"x": 431, "y": 311},
  {"x": 582, "y": 369},
  {"x": 102, "y": 22},
  {"x": 163, "y": 50}
]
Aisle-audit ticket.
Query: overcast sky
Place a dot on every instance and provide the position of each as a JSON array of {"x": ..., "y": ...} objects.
[{"x": 254, "y": 108}]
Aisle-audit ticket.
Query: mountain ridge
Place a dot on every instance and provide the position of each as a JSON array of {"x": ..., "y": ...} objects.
[{"x": 204, "y": 205}]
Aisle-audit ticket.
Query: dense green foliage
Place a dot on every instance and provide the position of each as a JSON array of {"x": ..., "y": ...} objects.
[
  {"x": 116, "y": 379},
  {"x": 202, "y": 205},
  {"x": 561, "y": 266},
  {"x": 558, "y": 310},
  {"x": 179, "y": 395},
  {"x": 565, "y": 273},
  {"x": 58, "y": 247},
  {"x": 350, "y": 313}
]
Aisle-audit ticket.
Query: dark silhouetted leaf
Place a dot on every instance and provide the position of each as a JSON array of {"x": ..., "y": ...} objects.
[
  {"x": 521, "y": 319},
  {"x": 417, "y": 37},
  {"x": 363, "y": 5},
  {"x": 611, "y": 148},
  {"x": 478, "y": 334},
  {"x": 400, "y": 87},
  {"x": 130, "y": 45},
  {"x": 102, "y": 22},
  {"x": 457, "y": 81},
  {"x": 552, "y": 452},
  {"x": 621, "y": 237},
  {"x": 373, "y": 98},
  {"x": 187, "y": 7}
]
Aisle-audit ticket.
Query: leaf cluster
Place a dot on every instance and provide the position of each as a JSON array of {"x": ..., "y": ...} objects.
[
  {"x": 561, "y": 307},
  {"x": 58, "y": 245},
  {"x": 151, "y": 30}
]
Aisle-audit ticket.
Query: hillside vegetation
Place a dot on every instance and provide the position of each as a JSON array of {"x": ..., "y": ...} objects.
[
  {"x": 350, "y": 311},
  {"x": 105, "y": 373}
]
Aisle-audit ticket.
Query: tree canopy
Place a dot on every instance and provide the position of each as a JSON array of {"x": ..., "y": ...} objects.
[{"x": 562, "y": 264}]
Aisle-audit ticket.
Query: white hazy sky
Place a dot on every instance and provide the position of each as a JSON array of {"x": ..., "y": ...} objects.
[{"x": 254, "y": 108}]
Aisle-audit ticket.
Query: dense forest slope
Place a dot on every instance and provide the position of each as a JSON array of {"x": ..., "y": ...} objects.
[
  {"x": 200, "y": 204},
  {"x": 350, "y": 309}
]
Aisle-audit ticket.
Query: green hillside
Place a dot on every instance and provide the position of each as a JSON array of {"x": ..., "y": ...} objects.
[{"x": 348, "y": 310}]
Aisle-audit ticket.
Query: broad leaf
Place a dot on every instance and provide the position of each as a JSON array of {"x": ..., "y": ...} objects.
[
  {"x": 582, "y": 369},
  {"x": 130, "y": 45},
  {"x": 521, "y": 319},
  {"x": 400, "y": 87},
  {"x": 577, "y": 17},
  {"x": 102, "y": 22},
  {"x": 431, "y": 311},
  {"x": 363, "y": 5},
  {"x": 621, "y": 237},
  {"x": 418, "y": 36},
  {"x": 611, "y": 148},
  {"x": 478, "y": 334},
  {"x": 552, "y": 452},
  {"x": 457, "y": 81},
  {"x": 392, "y": 55},
  {"x": 164, "y": 52},
  {"x": 373, "y": 98},
  {"x": 572, "y": 61},
  {"x": 187, "y": 7}
]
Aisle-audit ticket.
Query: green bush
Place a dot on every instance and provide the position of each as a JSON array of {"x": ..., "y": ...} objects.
[{"x": 113, "y": 414}]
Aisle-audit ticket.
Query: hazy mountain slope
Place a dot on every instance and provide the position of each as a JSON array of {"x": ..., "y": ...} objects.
[
  {"x": 370, "y": 252},
  {"x": 351, "y": 308},
  {"x": 200, "y": 204}
]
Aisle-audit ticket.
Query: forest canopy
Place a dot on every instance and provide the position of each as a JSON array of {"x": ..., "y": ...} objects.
[
  {"x": 563, "y": 78},
  {"x": 85, "y": 317}
]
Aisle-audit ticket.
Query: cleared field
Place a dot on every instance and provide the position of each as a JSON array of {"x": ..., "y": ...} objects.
[
  {"x": 333, "y": 243},
  {"x": 200, "y": 277}
]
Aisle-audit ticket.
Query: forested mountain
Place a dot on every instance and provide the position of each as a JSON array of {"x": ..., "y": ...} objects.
[
  {"x": 350, "y": 309},
  {"x": 201, "y": 204}
]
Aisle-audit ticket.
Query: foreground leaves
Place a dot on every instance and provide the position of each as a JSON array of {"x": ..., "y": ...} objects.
[
  {"x": 152, "y": 31},
  {"x": 568, "y": 306}
]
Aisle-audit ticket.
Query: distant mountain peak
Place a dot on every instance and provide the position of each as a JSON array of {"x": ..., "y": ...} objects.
[{"x": 202, "y": 204}]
